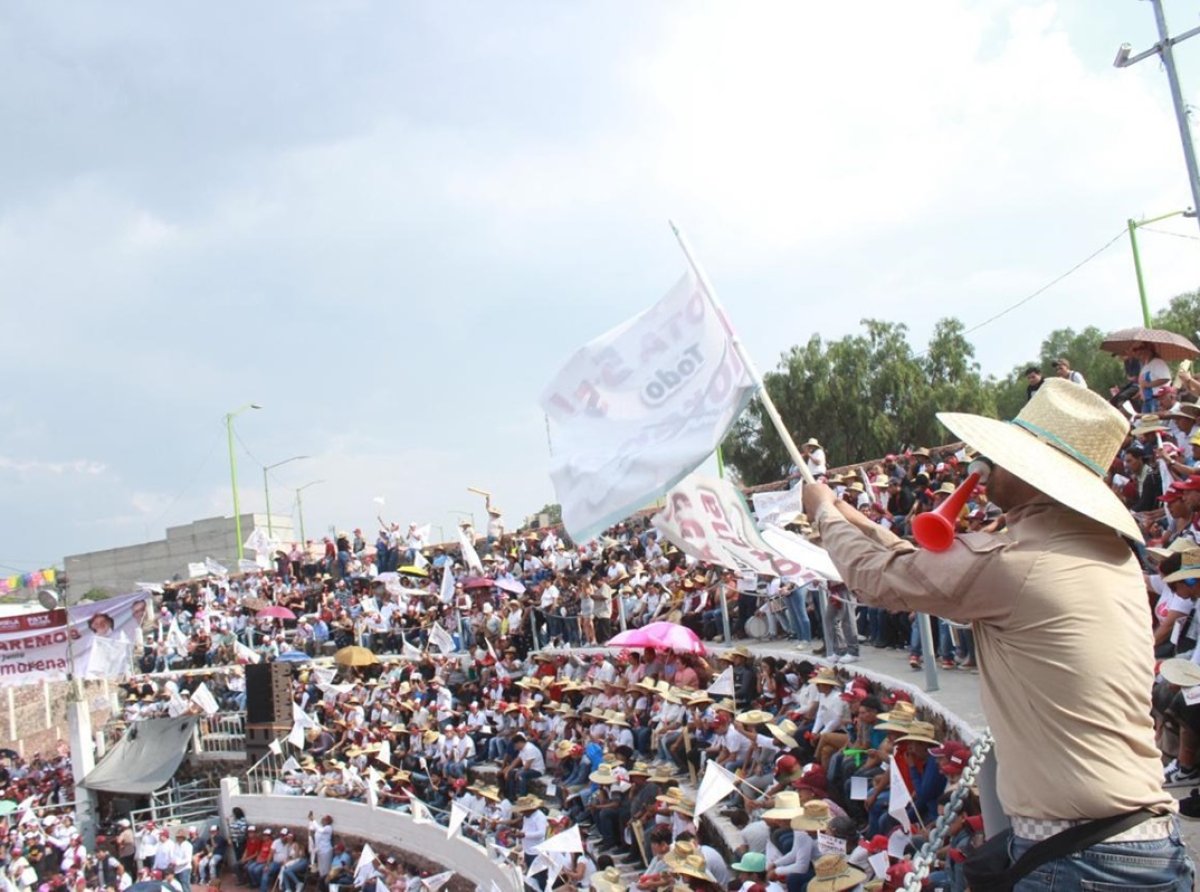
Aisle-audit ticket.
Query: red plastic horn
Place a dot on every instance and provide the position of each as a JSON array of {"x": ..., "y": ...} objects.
[{"x": 934, "y": 530}]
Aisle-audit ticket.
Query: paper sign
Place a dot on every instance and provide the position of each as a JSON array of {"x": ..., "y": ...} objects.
[
  {"x": 1191, "y": 696},
  {"x": 830, "y": 845},
  {"x": 879, "y": 864},
  {"x": 551, "y": 789},
  {"x": 860, "y": 787},
  {"x": 897, "y": 843}
]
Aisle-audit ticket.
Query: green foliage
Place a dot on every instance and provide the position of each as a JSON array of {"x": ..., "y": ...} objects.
[
  {"x": 553, "y": 510},
  {"x": 1181, "y": 316},
  {"x": 96, "y": 594},
  {"x": 861, "y": 396}
]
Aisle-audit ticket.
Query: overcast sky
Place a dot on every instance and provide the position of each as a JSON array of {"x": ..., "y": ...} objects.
[{"x": 390, "y": 223}]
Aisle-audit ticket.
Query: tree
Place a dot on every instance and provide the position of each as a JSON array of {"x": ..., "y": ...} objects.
[
  {"x": 1181, "y": 315},
  {"x": 861, "y": 397}
]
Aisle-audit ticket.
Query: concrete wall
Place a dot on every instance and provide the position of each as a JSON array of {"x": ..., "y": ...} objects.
[
  {"x": 383, "y": 827},
  {"x": 118, "y": 569}
]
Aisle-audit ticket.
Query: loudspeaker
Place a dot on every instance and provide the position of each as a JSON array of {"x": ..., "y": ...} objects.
[{"x": 268, "y": 693}]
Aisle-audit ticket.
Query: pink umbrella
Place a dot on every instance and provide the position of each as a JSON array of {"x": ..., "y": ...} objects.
[
  {"x": 276, "y": 612},
  {"x": 470, "y": 582},
  {"x": 511, "y": 586},
  {"x": 660, "y": 636}
]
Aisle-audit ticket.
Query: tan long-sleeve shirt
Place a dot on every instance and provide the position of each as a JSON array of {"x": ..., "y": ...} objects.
[{"x": 1063, "y": 642}]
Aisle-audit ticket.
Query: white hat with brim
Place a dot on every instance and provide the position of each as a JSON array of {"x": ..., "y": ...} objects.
[
  {"x": 1062, "y": 444},
  {"x": 1180, "y": 672}
]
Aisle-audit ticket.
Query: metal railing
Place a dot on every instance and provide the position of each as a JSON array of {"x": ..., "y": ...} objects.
[
  {"x": 221, "y": 734},
  {"x": 179, "y": 804}
]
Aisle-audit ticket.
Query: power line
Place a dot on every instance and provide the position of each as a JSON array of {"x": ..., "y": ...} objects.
[
  {"x": 1194, "y": 238},
  {"x": 187, "y": 486},
  {"x": 1112, "y": 241}
]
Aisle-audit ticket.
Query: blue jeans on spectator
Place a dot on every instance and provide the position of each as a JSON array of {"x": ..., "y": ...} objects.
[
  {"x": 1159, "y": 865},
  {"x": 292, "y": 877},
  {"x": 797, "y": 604}
]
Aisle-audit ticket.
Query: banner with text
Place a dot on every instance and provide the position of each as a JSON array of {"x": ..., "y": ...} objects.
[
  {"x": 98, "y": 636},
  {"x": 708, "y": 520},
  {"x": 641, "y": 406}
]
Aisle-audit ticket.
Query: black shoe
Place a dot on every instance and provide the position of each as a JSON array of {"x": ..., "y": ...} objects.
[{"x": 1189, "y": 808}]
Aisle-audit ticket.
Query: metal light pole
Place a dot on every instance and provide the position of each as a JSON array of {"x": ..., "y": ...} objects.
[
  {"x": 237, "y": 514},
  {"x": 267, "y": 488},
  {"x": 300, "y": 508},
  {"x": 1137, "y": 259},
  {"x": 1165, "y": 49}
]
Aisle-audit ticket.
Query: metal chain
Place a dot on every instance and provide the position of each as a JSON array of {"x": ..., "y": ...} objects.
[{"x": 923, "y": 862}]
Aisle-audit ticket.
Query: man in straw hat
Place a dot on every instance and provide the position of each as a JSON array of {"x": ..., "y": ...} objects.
[{"x": 1058, "y": 606}]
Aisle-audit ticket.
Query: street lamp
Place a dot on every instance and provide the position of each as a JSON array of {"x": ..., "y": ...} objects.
[
  {"x": 1165, "y": 49},
  {"x": 300, "y": 507},
  {"x": 237, "y": 514},
  {"x": 267, "y": 488},
  {"x": 1137, "y": 260}
]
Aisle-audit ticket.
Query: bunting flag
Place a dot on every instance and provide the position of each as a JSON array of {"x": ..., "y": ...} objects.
[
  {"x": 716, "y": 784},
  {"x": 458, "y": 814},
  {"x": 566, "y": 841},
  {"x": 33, "y": 580},
  {"x": 723, "y": 684},
  {"x": 470, "y": 555},
  {"x": 296, "y": 737},
  {"x": 899, "y": 799},
  {"x": 367, "y": 857},
  {"x": 203, "y": 698},
  {"x": 447, "y": 592},
  {"x": 638, "y": 408},
  {"x": 372, "y": 788},
  {"x": 420, "y": 814},
  {"x": 441, "y": 639}
]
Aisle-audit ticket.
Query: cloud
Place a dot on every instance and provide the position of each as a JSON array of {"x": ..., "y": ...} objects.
[{"x": 24, "y": 467}]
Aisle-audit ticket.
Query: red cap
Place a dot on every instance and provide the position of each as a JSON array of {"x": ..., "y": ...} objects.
[
  {"x": 1192, "y": 484},
  {"x": 853, "y": 695},
  {"x": 975, "y": 822},
  {"x": 876, "y": 844},
  {"x": 787, "y": 765}
]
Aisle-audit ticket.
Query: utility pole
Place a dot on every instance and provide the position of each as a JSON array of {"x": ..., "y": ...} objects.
[{"x": 1165, "y": 49}]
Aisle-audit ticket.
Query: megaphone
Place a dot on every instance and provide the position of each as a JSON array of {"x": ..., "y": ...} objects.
[{"x": 934, "y": 530}]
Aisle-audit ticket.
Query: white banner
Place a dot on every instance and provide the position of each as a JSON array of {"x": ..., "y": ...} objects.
[
  {"x": 779, "y": 508},
  {"x": 800, "y": 551},
  {"x": 447, "y": 591},
  {"x": 39, "y": 646},
  {"x": 441, "y": 639},
  {"x": 641, "y": 406},
  {"x": 708, "y": 520}
]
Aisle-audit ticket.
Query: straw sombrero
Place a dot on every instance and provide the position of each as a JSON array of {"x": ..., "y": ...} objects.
[
  {"x": 603, "y": 775},
  {"x": 527, "y": 803},
  {"x": 1180, "y": 672},
  {"x": 787, "y": 806},
  {"x": 755, "y": 717},
  {"x": 1188, "y": 569},
  {"x": 608, "y": 880},
  {"x": 815, "y": 816},
  {"x": 919, "y": 732},
  {"x": 833, "y": 872},
  {"x": 901, "y": 717},
  {"x": 1061, "y": 443},
  {"x": 785, "y": 732},
  {"x": 826, "y": 675}
]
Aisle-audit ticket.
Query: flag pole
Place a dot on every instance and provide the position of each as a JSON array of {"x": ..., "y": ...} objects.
[{"x": 740, "y": 349}]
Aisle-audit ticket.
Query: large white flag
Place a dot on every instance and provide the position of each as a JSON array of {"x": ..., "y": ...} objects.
[
  {"x": 566, "y": 841},
  {"x": 447, "y": 584},
  {"x": 420, "y": 814},
  {"x": 458, "y": 814},
  {"x": 722, "y": 685},
  {"x": 899, "y": 799},
  {"x": 438, "y": 880},
  {"x": 441, "y": 639},
  {"x": 716, "y": 784},
  {"x": 641, "y": 406},
  {"x": 367, "y": 857},
  {"x": 470, "y": 555}
]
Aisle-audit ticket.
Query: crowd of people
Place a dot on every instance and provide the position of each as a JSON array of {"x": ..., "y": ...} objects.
[{"x": 486, "y": 704}]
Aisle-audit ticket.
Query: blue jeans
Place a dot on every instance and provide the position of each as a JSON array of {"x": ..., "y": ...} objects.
[
  {"x": 797, "y": 603},
  {"x": 1161, "y": 865}
]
